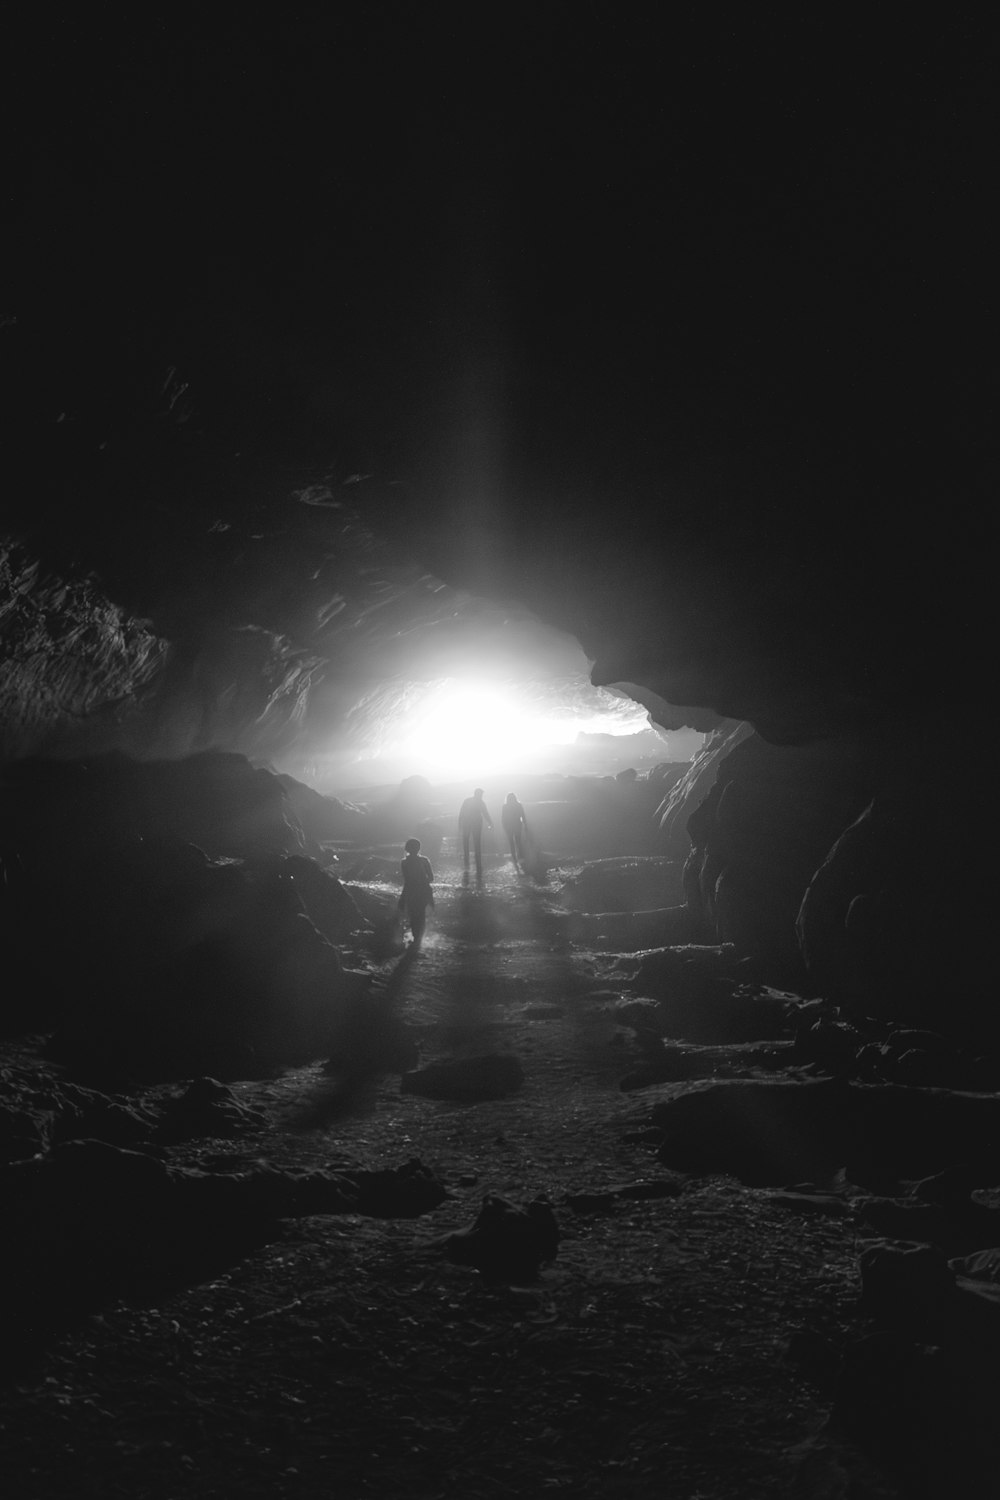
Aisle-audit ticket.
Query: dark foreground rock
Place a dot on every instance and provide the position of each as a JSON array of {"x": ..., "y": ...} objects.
[
  {"x": 327, "y": 902},
  {"x": 679, "y": 1062},
  {"x": 645, "y": 1191},
  {"x": 507, "y": 1243},
  {"x": 710, "y": 994},
  {"x": 207, "y": 1108},
  {"x": 921, "y": 1391},
  {"x": 624, "y": 885},
  {"x": 398, "y": 1193},
  {"x": 955, "y": 1228},
  {"x": 89, "y": 1221},
  {"x": 40, "y": 1110},
  {"x": 778, "y": 1132},
  {"x": 164, "y": 919},
  {"x": 631, "y": 931},
  {"x": 466, "y": 1079}
]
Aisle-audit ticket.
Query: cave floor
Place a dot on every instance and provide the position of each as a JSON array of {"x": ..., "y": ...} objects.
[{"x": 676, "y": 1345}]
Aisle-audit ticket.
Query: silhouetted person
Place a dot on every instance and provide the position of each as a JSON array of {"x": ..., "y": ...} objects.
[
  {"x": 471, "y": 817},
  {"x": 417, "y": 894},
  {"x": 515, "y": 826}
]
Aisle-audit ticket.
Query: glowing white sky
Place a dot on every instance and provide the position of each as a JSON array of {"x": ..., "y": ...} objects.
[
  {"x": 482, "y": 690},
  {"x": 469, "y": 726}
]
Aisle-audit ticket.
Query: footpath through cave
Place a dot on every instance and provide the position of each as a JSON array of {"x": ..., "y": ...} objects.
[{"x": 662, "y": 1349}]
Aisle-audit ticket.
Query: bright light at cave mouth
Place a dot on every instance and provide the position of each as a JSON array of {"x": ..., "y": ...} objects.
[{"x": 459, "y": 728}]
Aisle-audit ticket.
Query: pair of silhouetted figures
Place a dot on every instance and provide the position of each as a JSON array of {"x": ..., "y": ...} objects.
[{"x": 473, "y": 814}]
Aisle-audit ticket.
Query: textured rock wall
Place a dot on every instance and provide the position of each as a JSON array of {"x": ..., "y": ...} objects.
[
  {"x": 72, "y": 659},
  {"x": 166, "y": 913},
  {"x": 847, "y": 870},
  {"x": 898, "y": 920},
  {"x": 894, "y": 918},
  {"x": 759, "y": 835},
  {"x": 256, "y": 635}
]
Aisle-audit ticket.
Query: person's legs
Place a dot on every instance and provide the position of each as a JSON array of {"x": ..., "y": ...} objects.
[
  {"x": 477, "y": 839},
  {"x": 465, "y": 850},
  {"x": 418, "y": 921}
]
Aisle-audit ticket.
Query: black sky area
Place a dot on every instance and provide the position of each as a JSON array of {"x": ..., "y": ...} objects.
[{"x": 499, "y": 258}]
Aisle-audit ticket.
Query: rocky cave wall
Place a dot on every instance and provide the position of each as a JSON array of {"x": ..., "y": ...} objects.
[
  {"x": 712, "y": 394},
  {"x": 839, "y": 862},
  {"x": 164, "y": 635}
]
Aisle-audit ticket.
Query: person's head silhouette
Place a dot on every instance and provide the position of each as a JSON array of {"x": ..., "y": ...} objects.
[
  {"x": 479, "y": 793},
  {"x": 412, "y": 846}
]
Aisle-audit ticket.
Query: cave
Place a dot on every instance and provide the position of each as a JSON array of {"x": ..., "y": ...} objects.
[{"x": 587, "y": 412}]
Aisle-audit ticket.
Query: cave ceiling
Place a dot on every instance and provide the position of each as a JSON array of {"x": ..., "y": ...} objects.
[{"x": 669, "y": 333}]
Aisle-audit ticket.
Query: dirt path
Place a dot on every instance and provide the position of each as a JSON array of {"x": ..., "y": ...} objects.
[{"x": 659, "y": 1355}]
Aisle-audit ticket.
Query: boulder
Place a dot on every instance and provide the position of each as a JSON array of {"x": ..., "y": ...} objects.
[
  {"x": 632, "y": 931},
  {"x": 399, "y": 1193},
  {"x": 913, "y": 1289},
  {"x": 205, "y": 968},
  {"x": 623, "y": 885},
  {"x": 208, "y": 1108},
  {"x": 41, "y": 1111},
  {"x": 981, "y": 1265},
  {"x": 322, "y": 818},
  {"x": 673, "y": 1064},
  {"x": 327, "y": 902},
  {"x": 830, "y": 1045},
  {"x": 926, "y": 1059},
  {"x": 705, "y": 995},
  {"x": 776, "y": 1132},
  {"x": 85, "y": 1211},
  {"x": 762, "y": 1132},
  {"x": 466, "y": 1079},
  {"x": 954, "y": 1228},
  {"x": 686, "y": 969},
  {"x": 378, "y": 868},
  {"x": 907, "y": 1286},
  {"x": 507, "y": 1243},
  {"x": 900, "y": 1401}
]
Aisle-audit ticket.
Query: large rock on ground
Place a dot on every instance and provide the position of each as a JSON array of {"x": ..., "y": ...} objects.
[
  {"x": 624, "y": 885},
  {"x": 466, "y": 1079},
  {"x": 704, "y": 994},
  {"x": 507, "y": 1243},
  {"x": 138, "y": 875},
  {"x": 204, "y": 968},
  {"x": 777, "y": 1132},
  {"x": 631, "y": 931},
  {"x": 326, "y": 900},
  {"x": 88, "y": 1220}
]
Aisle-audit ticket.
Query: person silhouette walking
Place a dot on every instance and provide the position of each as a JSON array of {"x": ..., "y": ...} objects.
[
  {"x": 471, "y": 817},
  {"x": 417, "y": 894},
  {"x": 515, "y": 826}
]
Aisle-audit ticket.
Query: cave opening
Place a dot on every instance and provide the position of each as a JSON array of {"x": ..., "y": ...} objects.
[
  {"x": 474, "y": 724},
  {"x": 498, "y": 944}
]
